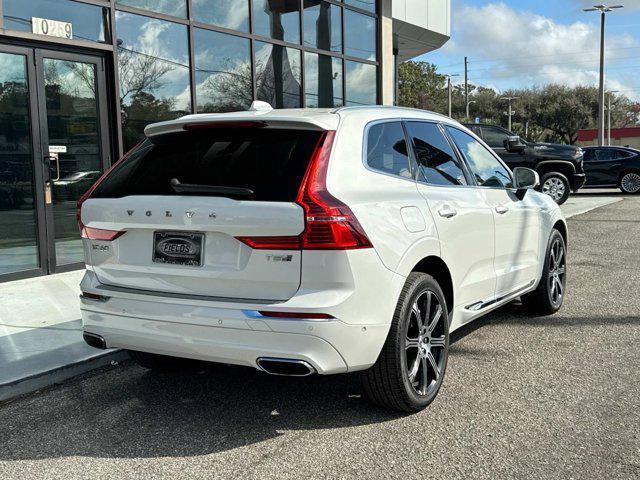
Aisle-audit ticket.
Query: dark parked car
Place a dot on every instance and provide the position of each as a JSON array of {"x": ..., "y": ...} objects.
[
  {"x": 617, "y": 167},
  {"x": 559, "y": 166}
]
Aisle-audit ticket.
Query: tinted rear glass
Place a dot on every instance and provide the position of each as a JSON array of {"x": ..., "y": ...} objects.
[{"x": 271, "y": 162}]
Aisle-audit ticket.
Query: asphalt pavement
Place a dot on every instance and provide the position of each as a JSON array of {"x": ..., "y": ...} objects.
[{"x": 524, "y": 397}]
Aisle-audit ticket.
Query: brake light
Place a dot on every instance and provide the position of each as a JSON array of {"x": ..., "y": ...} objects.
[
  {"x": 329, "y": 223},
  {"x": 101, "y": 234},
  {"x": 240, "y": 124},
  {"x": 88, "y": 193}
]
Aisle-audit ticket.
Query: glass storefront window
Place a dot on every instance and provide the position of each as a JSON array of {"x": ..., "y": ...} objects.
[
  {"x": 360, "y": 83},
  {"x": 87, "y": 21},
  {"x": 18, "y": 245},
  {"x": 279, "y": 20},
  {"x": 322, "y": 25},
  {"x": 278, "y": 75},
  {"x": 360, "y": 35},
  {"x": 233, "y": 14},
  {"x": 177, "y": 8},
  {"x": 323, "y": 80},
  {"x": 223, "y": 72},
  {"x": 369, "y": 5},
  {"x": 153, "y": 65}
]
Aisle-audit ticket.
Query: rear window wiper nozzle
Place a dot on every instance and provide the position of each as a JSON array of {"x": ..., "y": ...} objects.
[{"x": 179, "y": 187}]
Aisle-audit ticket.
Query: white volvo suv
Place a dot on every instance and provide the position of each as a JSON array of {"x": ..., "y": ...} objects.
[{"x": 314, "y": 241}]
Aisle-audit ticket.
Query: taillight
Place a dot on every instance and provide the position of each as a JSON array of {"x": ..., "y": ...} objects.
[
  {"x": 100, "y": 234},
  {"x": 330, "y": 224},
  {"x": 88, "y": 193},
  {"x": 272, "y": 243}
]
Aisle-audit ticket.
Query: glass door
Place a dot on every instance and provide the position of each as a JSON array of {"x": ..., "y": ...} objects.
[
  {"x": 54, "y": 144},
  {"x": 20, "y": 183},
  {"x": 73, "y": 126}
]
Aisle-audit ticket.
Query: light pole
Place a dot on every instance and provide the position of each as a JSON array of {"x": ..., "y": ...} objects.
[
  {"x": 603, "y": 9},
  {"x": 509, "y": 112},
  {"x": 609, "y": 115},
  {"x": 467, "y": 109},
  {"x": 449, "y": 88}
]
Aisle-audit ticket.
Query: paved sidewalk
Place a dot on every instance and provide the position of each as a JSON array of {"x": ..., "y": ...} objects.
[{"x": 41, "y": 334}]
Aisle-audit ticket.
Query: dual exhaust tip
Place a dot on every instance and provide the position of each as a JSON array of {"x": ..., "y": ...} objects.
[{"x": 285, "y": 366}]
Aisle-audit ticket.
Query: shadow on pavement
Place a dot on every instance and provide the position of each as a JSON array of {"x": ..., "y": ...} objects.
[{"x": 135, "y": 413}]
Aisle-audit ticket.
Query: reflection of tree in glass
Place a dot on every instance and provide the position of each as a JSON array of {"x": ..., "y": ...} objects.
[
  {"x": 140, "y": 72},
  {"x": 229, "y": 89},
  {"x": 141, "y": 75},
  {"x": 278, "y": 81},
  {"x": 86, "y": 74}
]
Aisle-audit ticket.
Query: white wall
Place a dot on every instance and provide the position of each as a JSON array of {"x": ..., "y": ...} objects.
[{"x": 420, "y": 26}]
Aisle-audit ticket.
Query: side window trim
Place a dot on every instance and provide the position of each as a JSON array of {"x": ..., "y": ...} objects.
[
  {"x": 419, "y": 176},
  {"x": 365, "y": 143},
  {"x": 490, "y": 150}
]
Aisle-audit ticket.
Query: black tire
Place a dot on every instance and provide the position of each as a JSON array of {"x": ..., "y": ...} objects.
[
  {"x": 387, "y": 383},
  {"x": 548, "y": 296},
  {"x": 556, "y": 185},
  {"x": 630, "y": 182},
  {"x": 162, "y": 363}
]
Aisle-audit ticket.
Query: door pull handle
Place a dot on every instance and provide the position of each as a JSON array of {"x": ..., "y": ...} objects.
[
  {"x": 501, "y": 209},
  {"x": 447, "y": 212}
]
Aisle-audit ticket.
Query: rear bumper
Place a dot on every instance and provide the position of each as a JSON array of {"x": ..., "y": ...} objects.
[
  {"x": 577, "y": 181},
  {"x": 235, "y": 333},
  {"x": 329, "y": 346}
]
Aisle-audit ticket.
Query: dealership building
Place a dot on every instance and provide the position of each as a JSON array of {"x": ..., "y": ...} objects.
[{"x": 80, "y": 79}]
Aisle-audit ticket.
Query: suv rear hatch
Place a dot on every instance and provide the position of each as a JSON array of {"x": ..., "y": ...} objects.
[{"x": 206, "y": 210}]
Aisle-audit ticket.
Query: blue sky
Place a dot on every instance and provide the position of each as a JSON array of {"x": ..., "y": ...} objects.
[{"x": 525, "y": 42}]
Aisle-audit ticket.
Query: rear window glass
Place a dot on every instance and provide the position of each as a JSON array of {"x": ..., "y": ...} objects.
[{"x": 271, "y": 162}]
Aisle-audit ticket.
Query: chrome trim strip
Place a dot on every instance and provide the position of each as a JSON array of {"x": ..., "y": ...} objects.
[
  {"x": 185, "y": 296},
  {"x": 477, "y": 306}
]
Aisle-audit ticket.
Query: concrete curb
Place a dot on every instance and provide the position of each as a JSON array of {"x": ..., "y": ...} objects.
[{"x": 56, "y": 375}]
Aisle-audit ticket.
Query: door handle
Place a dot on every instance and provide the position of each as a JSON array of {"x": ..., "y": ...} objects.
[
  {"x": 501, "y": 209},
  {"x": 447, "y": 212},
  {"x": 55, "y": 157}
]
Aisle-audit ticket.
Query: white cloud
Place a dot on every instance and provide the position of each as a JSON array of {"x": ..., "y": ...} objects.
[{"x": 523, "y": 47}]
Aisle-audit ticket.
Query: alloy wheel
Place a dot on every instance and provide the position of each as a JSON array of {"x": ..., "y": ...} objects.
[
  {"x": 554, "y": 187},
  {"x": 557, "y": 272},
  {"x": 425, "y": 343},
  {"x": 631, "y": 183}
]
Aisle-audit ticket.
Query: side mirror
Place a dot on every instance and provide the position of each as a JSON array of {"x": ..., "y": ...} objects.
[
  {"x": 524, "y": 179},
  {"x": 514, "y": 145}
]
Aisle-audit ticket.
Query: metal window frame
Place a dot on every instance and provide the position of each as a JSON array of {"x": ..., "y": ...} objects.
[{"x": 191, "y": 23}]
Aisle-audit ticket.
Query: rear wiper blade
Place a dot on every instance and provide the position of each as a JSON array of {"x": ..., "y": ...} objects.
[{"x": 211, "y": 189}]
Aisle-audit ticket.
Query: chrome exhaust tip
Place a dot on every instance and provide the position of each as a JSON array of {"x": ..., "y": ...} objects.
[{"x": 285, "y": 366}]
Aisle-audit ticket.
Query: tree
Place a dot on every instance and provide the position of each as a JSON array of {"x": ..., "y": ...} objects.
[
  {"x": 552, "y": 113},
  {"x": 420, "y": 86}
]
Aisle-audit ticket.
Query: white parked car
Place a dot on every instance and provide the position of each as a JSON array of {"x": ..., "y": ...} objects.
[{"x": 314, "y": 241}]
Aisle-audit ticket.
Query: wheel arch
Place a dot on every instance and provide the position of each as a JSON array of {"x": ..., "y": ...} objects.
[
  {"x": 561, "y": 226},
  {"x": 558, "y": 166},
  {"x": 437, "y": 268}
]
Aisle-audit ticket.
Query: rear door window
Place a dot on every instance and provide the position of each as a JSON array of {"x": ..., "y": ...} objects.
[
  {"x": 270, "y": 162},
  {"x": 437, "y": 162},
  {"x": 387, "y": 149}
]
